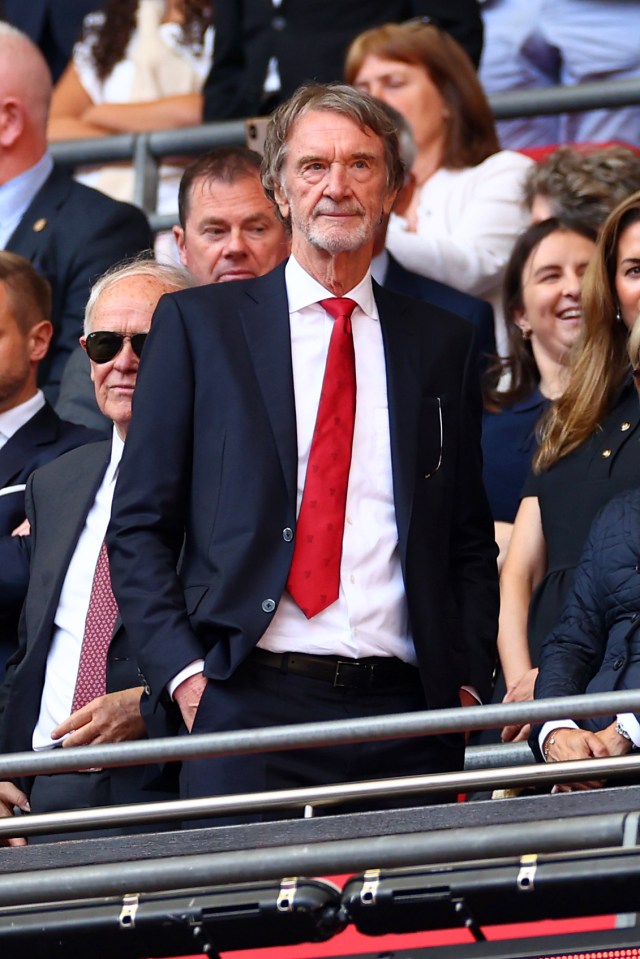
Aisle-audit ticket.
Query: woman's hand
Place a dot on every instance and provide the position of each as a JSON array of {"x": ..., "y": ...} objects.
[{"x": 520, "y": 692}]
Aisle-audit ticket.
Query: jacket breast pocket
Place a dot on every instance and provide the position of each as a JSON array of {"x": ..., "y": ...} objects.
[{"x": 430, "y": 437}]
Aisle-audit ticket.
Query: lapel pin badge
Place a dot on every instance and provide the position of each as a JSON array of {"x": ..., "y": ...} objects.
[{"x": 39, "y": 225}]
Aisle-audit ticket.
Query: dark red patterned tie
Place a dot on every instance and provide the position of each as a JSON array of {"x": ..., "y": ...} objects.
[
  {"x": 314, "y": 577},
  {"x": 98, "y": 630}
]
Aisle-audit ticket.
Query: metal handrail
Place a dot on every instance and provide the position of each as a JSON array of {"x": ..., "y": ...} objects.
[
  {"x": 428, "y": 722},
  {"x": 324, "y": 858},
  {"x": 319, "y": 796},
  {"x": 145, "y": 150}
]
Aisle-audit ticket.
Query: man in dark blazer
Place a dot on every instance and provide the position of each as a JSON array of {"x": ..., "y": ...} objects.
[
  {"x": 54, "y": 25},
  {"x": 308, "y": 39},
  {"x": 224, "y": 414},
  {"x": 68, "y": 508},
  {"x": 70, "y": 233},
  {"x": 30, "y": 432}
]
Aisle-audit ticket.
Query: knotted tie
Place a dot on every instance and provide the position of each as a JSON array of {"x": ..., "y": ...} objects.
[
  {"x": 314, "y": 577},
  {"x": 98, "y": 629}
]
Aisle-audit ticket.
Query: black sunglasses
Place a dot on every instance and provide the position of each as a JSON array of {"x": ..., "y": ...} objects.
[{"x": 104, "y": 345}]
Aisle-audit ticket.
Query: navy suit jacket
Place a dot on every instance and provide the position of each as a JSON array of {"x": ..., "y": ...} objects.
[
  {"x": 59, "y": 497},
  {"x": 472, "y": 308},
  {"x": 54, "y": 25},
  {"x": 214, "y": 426},
  {"x": 309, "y": 38},
  {"x": 72, "y": 234},
  {"x": 43, "y": 438}
]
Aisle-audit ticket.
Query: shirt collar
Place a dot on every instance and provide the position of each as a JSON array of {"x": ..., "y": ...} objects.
[
  {"x": 14, "y": 419},
  {"x": 117, "y": 448},
  {"x": 303, "y": 290},
  {"x": 16, "y": 194}
]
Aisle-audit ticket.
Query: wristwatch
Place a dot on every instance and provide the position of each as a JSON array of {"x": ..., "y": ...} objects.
[{"x": 621, "y": 731}]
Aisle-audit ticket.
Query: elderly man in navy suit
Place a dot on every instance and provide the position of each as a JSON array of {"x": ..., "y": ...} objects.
[
  {"x": 311, "y": 445},
  {"x": 58, "y": 692},
  {"x": 70, "y": 233}
]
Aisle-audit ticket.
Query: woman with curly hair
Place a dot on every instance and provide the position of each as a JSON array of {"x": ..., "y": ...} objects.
[{"x": 139, "y": 66}]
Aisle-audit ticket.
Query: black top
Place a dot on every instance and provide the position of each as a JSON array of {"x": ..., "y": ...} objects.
[{"x": 570, "y": 494}]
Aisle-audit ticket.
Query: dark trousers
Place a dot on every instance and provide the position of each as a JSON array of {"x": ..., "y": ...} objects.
[
  {"x": 257, "y": 696},
  {"x": 75, "y": 791}
]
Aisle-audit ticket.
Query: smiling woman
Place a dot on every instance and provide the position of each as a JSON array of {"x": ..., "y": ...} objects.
[
  {"x": 588, "y": 454},
  {"x": 542, "y": 292}
]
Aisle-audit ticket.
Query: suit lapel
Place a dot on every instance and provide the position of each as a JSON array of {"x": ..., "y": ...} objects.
[
  {"x": 17, "y": 453},
  {"x": 31, "y": 236},
  {"x": 265, "y": 319},
  {"x": 57, "y": 538},
  {"x": 402, "y": 349}
]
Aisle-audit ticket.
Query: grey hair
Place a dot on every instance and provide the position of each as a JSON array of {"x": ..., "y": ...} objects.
[
  {"x": 169, "y": 273},
  {"x": 330, "y": 98}
]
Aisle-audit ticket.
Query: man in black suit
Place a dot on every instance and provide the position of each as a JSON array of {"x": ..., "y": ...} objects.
[
  {"x": 264, "y": 49},
  {"x": 30, "y": 432},
  {"x": 54, "y": 25},
  {"x": 70, "y": 233},
  {"x": 68, "y": 505},
  {"x": 225, "y": 410}
]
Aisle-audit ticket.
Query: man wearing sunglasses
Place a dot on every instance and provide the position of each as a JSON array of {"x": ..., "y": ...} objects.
[{"x": 57, "y": 693}]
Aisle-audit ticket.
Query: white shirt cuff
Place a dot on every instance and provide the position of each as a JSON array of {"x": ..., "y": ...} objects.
[
  {"x": 631, "y": 726},
  {"x": 197, "y": 666},
  {"x": 550, "y": 726}
]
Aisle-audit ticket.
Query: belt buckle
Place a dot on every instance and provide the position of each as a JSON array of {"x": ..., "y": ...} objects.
[{"x": 363, "y": 672}]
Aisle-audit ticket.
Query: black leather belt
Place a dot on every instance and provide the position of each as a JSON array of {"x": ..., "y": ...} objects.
[{"x": 369, "y": 673}]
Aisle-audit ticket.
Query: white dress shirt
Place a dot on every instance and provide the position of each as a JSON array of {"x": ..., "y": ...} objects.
[
  {"x": 16, "y": 195},
  {"x": 370, "y": 617},
  {"x": 64, "y": 653},
  {"x": 14, "y": 419}
]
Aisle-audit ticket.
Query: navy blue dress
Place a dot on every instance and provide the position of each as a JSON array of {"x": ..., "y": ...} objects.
[
  {"x": 508, "y": 444},
  {"x": 570, "y": 495}
]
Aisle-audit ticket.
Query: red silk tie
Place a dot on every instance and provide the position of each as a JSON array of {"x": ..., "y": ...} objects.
[
  {"x": 314, "y": 577},
  {"x": 98, "y": 630}
]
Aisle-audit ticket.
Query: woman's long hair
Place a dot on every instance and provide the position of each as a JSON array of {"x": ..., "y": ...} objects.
[
  {"x": 519, "y": 367},
  {"x": 109, "y": 41},
  {"x": 601, "y": 363},
  {"x": 470, "y": 131}
]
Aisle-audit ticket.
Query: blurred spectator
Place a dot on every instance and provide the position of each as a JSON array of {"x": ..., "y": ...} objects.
[
  {"x": 594, "y": 647},
  {"x": 53, "y": 25},
  {"x": 588, "y": 454},
  {"x": 228, "y": 231},
  {"x": 264, "y": 49},
  {"x": 465, "y": 211},
  {"x": 139, "y": 66},
  {"x": 582, "y": 185},
  {"x": 542, "y": 43},
  {"x": 388, "y": 272},
  {"x": 542, "y": 292},
  {"x": 71, "y": 234},
  {"x": 30, "y": 432}
]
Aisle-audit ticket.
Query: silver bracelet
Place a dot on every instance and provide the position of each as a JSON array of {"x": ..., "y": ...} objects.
[{"x": 548, "y": 743}]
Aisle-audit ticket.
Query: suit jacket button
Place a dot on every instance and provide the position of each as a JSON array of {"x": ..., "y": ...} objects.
[
  {"x": 268, "y": 605},
  {"x": 619, "y": 663},
  {"x": 279, "y": 23},
  {"x": 287, "y": 534}
]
